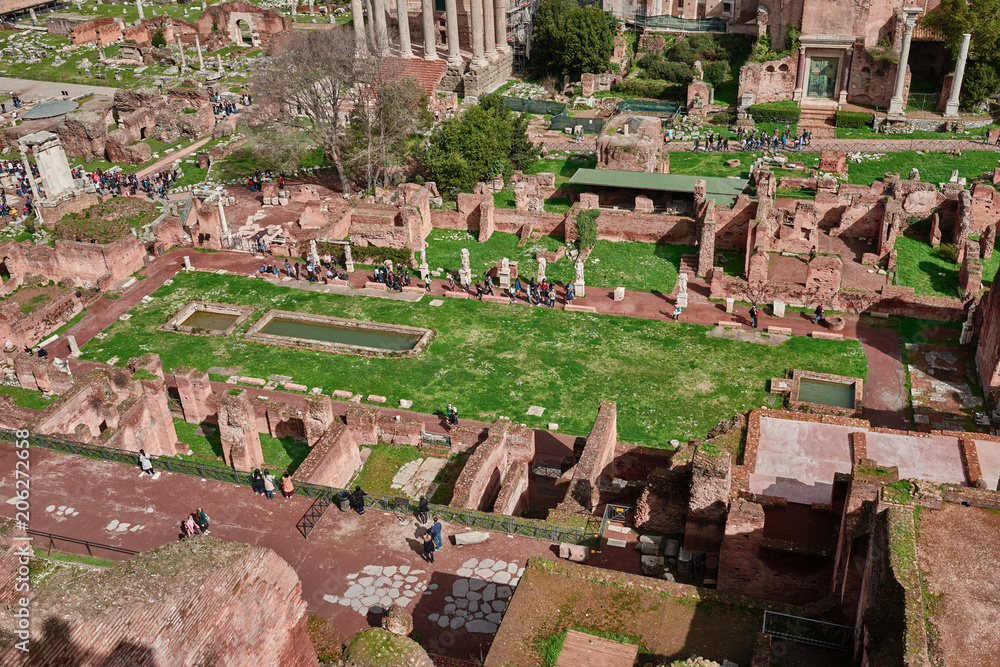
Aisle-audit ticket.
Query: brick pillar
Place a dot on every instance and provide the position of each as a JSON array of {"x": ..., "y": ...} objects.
[
  {"x": 238, "y": 430},
  {"x": 161, "y": 420},
  {"x": 319, "y": 416},
  {"x": 194, "y": 389},
  {"x": 25, "y": 371},
  {"x": 364, "y": 423},
  {"x": 486, "y": 222},
  {"x": 706, "y": 239}
]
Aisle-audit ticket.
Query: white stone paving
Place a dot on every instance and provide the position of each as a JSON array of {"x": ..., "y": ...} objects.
[{"x": 477, "y": 601}]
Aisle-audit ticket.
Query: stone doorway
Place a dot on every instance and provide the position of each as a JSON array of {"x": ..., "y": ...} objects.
[
  {"x": 246, "y": 35},
  {"x": 822, "y": 81}
]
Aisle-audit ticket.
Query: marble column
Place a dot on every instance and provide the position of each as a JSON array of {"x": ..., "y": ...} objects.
[
  {"x": 500, "y": 25},
  {"x": 369, "y": 25},
  {"x": 951, "y": 109},
  {"x": 451, "y": 20},
  {"x": 403, "y": 19},
  {"x": 138, "y": 6},
  {"x": 381, "y": 34},
  {"x": 845, "y": 75},
  {"x": 478, "y": 55},
  {"x": 488, "y": 32},
  {"x": 358, "y": 10},
  {"x": 430, "y": 43},
  {"x": 180, "y": 45},
  {"x": 201, "y": 58},
  {"x": 897, "y": 106},
  {"x": 800, "y": 71}
]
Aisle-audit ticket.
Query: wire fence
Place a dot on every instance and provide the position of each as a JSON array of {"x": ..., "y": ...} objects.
[
  {"x": 588, "y": 535},
  {"x": 808, "y": 631},
  {"x": 872, "y": 145},
  {"x": 668, "y": 22}
]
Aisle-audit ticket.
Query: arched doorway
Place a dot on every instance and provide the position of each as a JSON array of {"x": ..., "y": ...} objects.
[{"x": 245, "y": 33}]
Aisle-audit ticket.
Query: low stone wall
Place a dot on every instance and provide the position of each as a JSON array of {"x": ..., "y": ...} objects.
[{"x": 333, "y": 460}]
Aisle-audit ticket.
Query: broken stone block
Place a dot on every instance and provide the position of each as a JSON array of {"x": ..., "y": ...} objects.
[
  {"x": 472, "y": 537},
  {"x": 574, "y": 552},
  {"x": 652, "y": 566},
  {"x": 372, "y": 398},
  {"x": 651, "y": 545}
]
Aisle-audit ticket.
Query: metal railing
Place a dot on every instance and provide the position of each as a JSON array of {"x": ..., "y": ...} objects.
[
  {"x": 88, "y": 545},
  {"x": 174, "y": 404},
  {"x": 312, "y": 516},
  {"x": 669, "y": 22},
  {"x": 220, "y": 473},
  {"x": 871, "y": 145},
  {"x": 808, "y": 631}
]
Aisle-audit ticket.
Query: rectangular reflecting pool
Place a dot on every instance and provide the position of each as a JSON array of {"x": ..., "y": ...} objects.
[
  {"x": 338, "y": 334},
  {"x": 331, "y": 333},
  {"x": 202, "y": 319},
  {"x": 826, "y": 392}
]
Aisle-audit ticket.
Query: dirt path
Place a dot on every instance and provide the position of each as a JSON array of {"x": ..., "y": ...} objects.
[{"x": 168, "y": 160}]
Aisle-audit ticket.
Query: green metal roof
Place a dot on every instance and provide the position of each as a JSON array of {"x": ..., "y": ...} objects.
[{"x": 722, "y": 190}]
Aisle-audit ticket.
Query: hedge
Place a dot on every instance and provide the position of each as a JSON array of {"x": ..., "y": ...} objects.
[
  {"x": 658, "y": 90},
  {"x": 367, "y": 255},
  {"x": 855, "y": 119},
  {"x": 775, "y": 112}
]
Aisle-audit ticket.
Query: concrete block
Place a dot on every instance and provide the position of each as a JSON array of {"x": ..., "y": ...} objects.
[
  {"x": 619, "y": 294},
  {"x": 472, "y": 537},
  {"x": 782, "y": 331}
]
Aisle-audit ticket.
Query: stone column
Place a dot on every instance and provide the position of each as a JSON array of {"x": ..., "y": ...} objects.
[
  {"x": 369, "y": 25},
  {"x": 951, "y": 109},
  {"x": 403, "y": 19},
  {"x": 218, "y": 61},
  {"x": 500, "y": 25},
  {"x": 451, "y": 20},
  {"x": 201, "y": 58},
  {"x": 845, "y": 74},
  {"x": 478, "y": 59},
  {"x": 223, "y": 221},
  {"x": 138, "y": 6},
  {"x": 488, "y": 32},
  {"x": 897, "y": 106},
  {"x": 358, "y": 10},
  {"x": 31, "y": 178},
  {"x": 430, "y": 43},
  {"x": 180, "y": 46},
  {"x": 800, "y": 71},
  {"x": 381, "y": 35}
]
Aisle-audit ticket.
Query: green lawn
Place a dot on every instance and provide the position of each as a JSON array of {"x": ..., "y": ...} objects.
[
  {"x": 868, "y": 133},
  {"x": 26, "y": 398},
  {"x": 645, "y": 267},
  {"x": 670, "y": 380},
  {"x": 279, "y": 454},
  {"x": 382, "y": 465},
  {"x": 934, "y": 167}
]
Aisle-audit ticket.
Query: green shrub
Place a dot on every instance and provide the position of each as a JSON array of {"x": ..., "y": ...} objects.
[
  {"x": 368, "y": 254},
  {"x": 657, "y": 90},
  {"x": 948, "y": 252},
  {"x": 158, "y": 40},
  {"x": 723, "y": 118},
  {"x": 717, "y": 73},
  {"x": 586, "y": 228},
  {"x": 775, "y": 112},
  {"x": 854, "y": 119}
]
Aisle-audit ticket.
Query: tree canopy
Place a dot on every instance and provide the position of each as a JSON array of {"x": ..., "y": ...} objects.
[
  {"x": 981, "y": 19},
  {"x": 486, "y": 140},
  {"x": 569, "y": 38}
]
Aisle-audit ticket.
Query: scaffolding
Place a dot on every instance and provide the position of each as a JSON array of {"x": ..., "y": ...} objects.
[{"x": 519, "y": 16}]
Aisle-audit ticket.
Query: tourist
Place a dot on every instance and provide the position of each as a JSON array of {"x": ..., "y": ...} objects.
[
  {"x": 677, "y": 313},
  {"x": 517, "y": 287},
  {"x": 263, "y": 268},
  {"x": 287, "y": 488},
  {"x": 429, "y": 548},
  {"x": 435, "y": 532},
  {"x": 570, "y": 292},
  {"x": 510, "y": 293},
  {"x": 451, "y": 283},
  {"x": 489, "y": 286},
  {"x": 479, "y": 290},
  {"x": 423, "y": 510},
  {"x": 257, "y": 481},
  {"x": 288, "y": 269},
  {"x": 190, "y": 527},
  {"x": 552, "y": 296},
  {"x": 753, "y": 316},
  {"x": 696, "y": 144},
  {"x": 358, "y": 500},
  {"x": 268, "y": 484},
  {"x": 201, "y": 519},
  {"x": 145, "y": 464},
  {"x": 989, "y": 135},
  {"x": 819, "y": 314},
  {"x": 452, "y": 415}
]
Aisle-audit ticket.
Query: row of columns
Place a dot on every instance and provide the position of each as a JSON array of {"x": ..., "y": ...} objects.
[{"x": 489, "y": 29}]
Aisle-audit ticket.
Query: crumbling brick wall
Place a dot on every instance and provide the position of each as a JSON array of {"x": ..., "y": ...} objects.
[
  {"x": 191, "y": 602},
  {"x": 594, "y": 466},
  {"x": 482, "y": 475},
  {"x": 334, "y": 458},
  {"x": 194, "y": 388},
  {"x": 238, "y": 430}
]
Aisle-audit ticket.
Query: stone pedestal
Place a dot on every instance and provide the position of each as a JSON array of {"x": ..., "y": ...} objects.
[
  {"x": 580, "y": 289},
  {"x": 187, "y": 263},
  {"x": 682, "y": 300},
  {"x": 503, "y": 278},
  {"x": 425, "y": 272},
  {"x": 779, "y": 309},
  {"x": 74, "y": 349},
  {"x": 464, "y": 277},
  {"x": 619, "y": 294},
  {"x": 730, "y": 305}
]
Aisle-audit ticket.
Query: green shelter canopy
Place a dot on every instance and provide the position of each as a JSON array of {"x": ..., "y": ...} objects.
[{"x": 722, "y": 190}]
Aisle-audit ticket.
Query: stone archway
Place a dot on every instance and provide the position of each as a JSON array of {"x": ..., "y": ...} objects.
[{"x": 245, "y": 33}]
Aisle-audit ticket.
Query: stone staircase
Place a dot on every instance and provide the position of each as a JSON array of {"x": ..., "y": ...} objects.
[{"x": 820, "y": 119}]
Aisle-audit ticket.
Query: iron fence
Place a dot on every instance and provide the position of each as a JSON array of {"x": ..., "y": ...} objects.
[
  {"x": 174, "y": 404},
  {"x": 872, "y": 145},
  {"x": 923, "y": 101},
  {"x": 808, "y": 631},
  {"x": 87, "y": 544},
  {"x": 585, "y": 146},
  {"x": 588, "y": 535}
]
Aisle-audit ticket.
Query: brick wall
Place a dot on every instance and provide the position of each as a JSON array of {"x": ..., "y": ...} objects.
[
  {"x": 334, "y": 458},
  {"x": 513, "y": 491},
  {"x": 238, "y": 430},
  {"x": 482, "y": 475},
  {"x": 593, "y": 466},
  {"x": 187, "y": 603},
  {"x": 194, "y": 388}
]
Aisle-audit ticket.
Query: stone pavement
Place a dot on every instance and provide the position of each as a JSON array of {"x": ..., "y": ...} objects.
[
  {"x": 166, "y": 161},
  {"x": 110, "y": 503},
  {"x": 30, "y": 90}
]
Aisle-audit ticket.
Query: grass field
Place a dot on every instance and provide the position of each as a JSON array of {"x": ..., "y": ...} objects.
[
  {"x": 26, "y": 398},
  {"x": 921, "y": 267},
  {"x": 279, "y": 453},
  {"x": 670, "y": 380}
]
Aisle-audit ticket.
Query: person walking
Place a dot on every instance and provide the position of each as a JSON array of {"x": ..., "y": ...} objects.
[
  {"x": 190, "y": 527},
  {"x": 358, "y": 500},
  {"x": 677, "y": 313},
  {"x": 287, "y": 488},
  {"x": 201, "y": 519},
  {"x": 423, "y": 509},
  {"x": 819, "y": 314},
  {"x": 268, "y": 484},
  {"x": 429, "y": 548},
  {"x": 145, "y": 463},
  {"x": 753, "y": 316},
  {"x": 257, "y": 480},
  {"x": 435, "y": 532}
]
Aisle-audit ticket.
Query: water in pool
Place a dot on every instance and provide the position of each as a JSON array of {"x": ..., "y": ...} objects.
[
  {"x": 201, "y": 319},
  {"x": 328, "y": 333},
  {"x": 825, "y": 392}
]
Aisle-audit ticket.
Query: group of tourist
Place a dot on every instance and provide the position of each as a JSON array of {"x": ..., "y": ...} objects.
[
  {"x": 394, "y": 280},
  {"x": 196, "y": 523},
  {"x": 119, "y": 184},
  {"x": 432, "y": 536},
  {"x": 256, "y": 182},
  {"x": 264, "y": 483},
  {"x": 750, "y": 141}
]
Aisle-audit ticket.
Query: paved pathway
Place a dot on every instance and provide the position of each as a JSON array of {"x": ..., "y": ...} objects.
[
  {"x": 168, "y": 160},
  {"x": 110, "y": 503},
  {"x": 872, "y": 145},
  {"x": 35, "y": 91}
]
